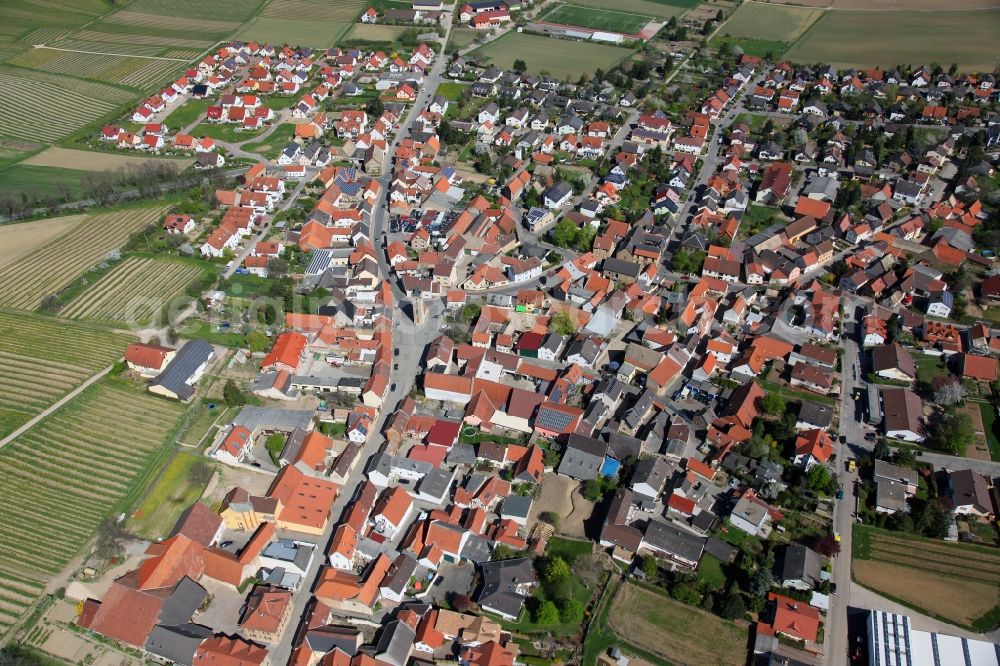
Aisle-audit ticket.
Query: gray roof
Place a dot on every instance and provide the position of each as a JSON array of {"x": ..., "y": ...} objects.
[
  {"x": 886, "y": 470},
  {"x": 182, "y": 368},
  {"x": 476, "y": 549},
  {"x": 399, "y": 575},
  {"x": 435, "y": 483},
  {"x": 395, "y": 643},
  {"x": 273, "y": 418},
  {"x": 462, "y": 454},
  {"x": 183, "y": 601},
  {"x": 801, "y": 564},
  {"x": 674, "y": 541},
  {"x": 890, "y": 495},
  {"x": 654, "y": 472},
  {"x": 516, "y": 506},
  {"x": 815, "y": 414},
  {"x": 720, "y": 549},
  {"x": 287, "y": 550},
  {"x": 500, "y": 581},
  {"x": 176, "y": 643},
  {"x": 583, "y": 457},
  {"x": 621, "y": 266}
]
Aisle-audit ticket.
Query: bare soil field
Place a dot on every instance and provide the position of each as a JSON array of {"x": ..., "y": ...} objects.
[
  {"x": 959, "y": 600},
  {"x": 86, "y": 160},
  {"x": 673, "y": 630},
  {"x": 17, "y": 240}
]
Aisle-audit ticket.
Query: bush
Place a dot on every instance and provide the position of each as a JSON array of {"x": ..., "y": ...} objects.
[
  {"x": 550, "y": 517},
  {"x": 546, "y": 613},
  {"x": 233, "y": 394}
]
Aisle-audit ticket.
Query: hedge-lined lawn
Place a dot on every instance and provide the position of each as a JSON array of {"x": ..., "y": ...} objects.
[{"x": 175, "y": 490}]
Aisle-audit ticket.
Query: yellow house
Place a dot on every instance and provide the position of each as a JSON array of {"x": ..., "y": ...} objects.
[{"x": 243, "y": 511}]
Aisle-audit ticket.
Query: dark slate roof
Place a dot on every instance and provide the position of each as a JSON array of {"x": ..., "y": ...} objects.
[
  {"x": 179, "y": 371},
  {"x": 500, "y": 581},
  {"x": 177, "y": 643}
]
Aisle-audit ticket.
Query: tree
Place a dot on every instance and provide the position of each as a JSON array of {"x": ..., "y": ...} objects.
[
  {"x": 953, "y": 432},
  {"x": 470, "y": 313},
  {"x": 881, "y": 451},
  {"x": 277, "y": 267},
  {"x": 503, "y": 552},
  {"x": 550, "y": 517},
  {"x": 562, "y": 324},
  {"x": 950, "y": 393},
  {"x": 773, "y": 404},
  {"x": 546, "y": 613},
  {"x": 571, "y": 612},
  {"x": 649, "y": 566},
  {"x": 820, "y": 480},
  {"x": 733, "y": 606},
  {"x": 760, "y": 582},
  {"x": 258, "y": 342},
  {"x": 268, "y": 314},
  {"x": 520, "y": 66},
  {"x": 233, "y": 394},
  {"x": 936, "y": 521},
  {"x": 564, "y": 233},
  {"x": 111, "y": 536},
  {"x": 828, "y": 546},
  {"x": 375, "y": 107},
  {"x": 460, "y": 602},
  {"x": 556, "y": 569}
]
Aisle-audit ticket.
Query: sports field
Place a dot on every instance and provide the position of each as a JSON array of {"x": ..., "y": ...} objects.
[
  {"x": 42, "y": 359},
  {"x": 134, "y": 291},
  {"x": 770, "y": 22},
  {"x": 559, "y": 57},
  {"x": 889, "y": 562},
  {"x": 675, "y": 631},
  {"x": 889, "y": 38},
  {"x": 83, "y": 463},
  {"x": 27, "y": 281},
  {"x": 661, "y": 9},
  {"x": 610, "y": 20}
]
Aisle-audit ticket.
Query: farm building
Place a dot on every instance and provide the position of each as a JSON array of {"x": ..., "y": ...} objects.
[{"x": 180, "y": 375}]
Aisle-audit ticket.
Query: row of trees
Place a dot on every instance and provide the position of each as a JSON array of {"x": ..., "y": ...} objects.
[{"x": 107, "y": 188}]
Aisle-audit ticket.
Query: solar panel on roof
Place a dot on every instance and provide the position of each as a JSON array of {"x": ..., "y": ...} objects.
[{"x": 551, "y": 419}]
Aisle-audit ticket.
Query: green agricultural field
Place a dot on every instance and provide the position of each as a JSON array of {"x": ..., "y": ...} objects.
[
  {"x": 62, "y": 478},
  {"x": 559, "y": 57},
  {"x": 316, "y": 23},
  {"x": 26, "y": 282},
  {"x": 177, "y": 488},
  {"x": 611, "y": 20},
  {"x": 41, "y": 181},
  {"x": 42, "y": 359},
  {"x": 318, "y": 34},
  {"x": 780, "y": 23},
  {"x": 661, "y": 9},
  {"x": 888, "y": 38},
  {"x": 134, "y": 291}
]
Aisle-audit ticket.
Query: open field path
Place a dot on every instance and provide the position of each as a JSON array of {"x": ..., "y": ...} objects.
[
  {"x": 56, "y": 405},
  {"x": 106, "y": 53}
]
